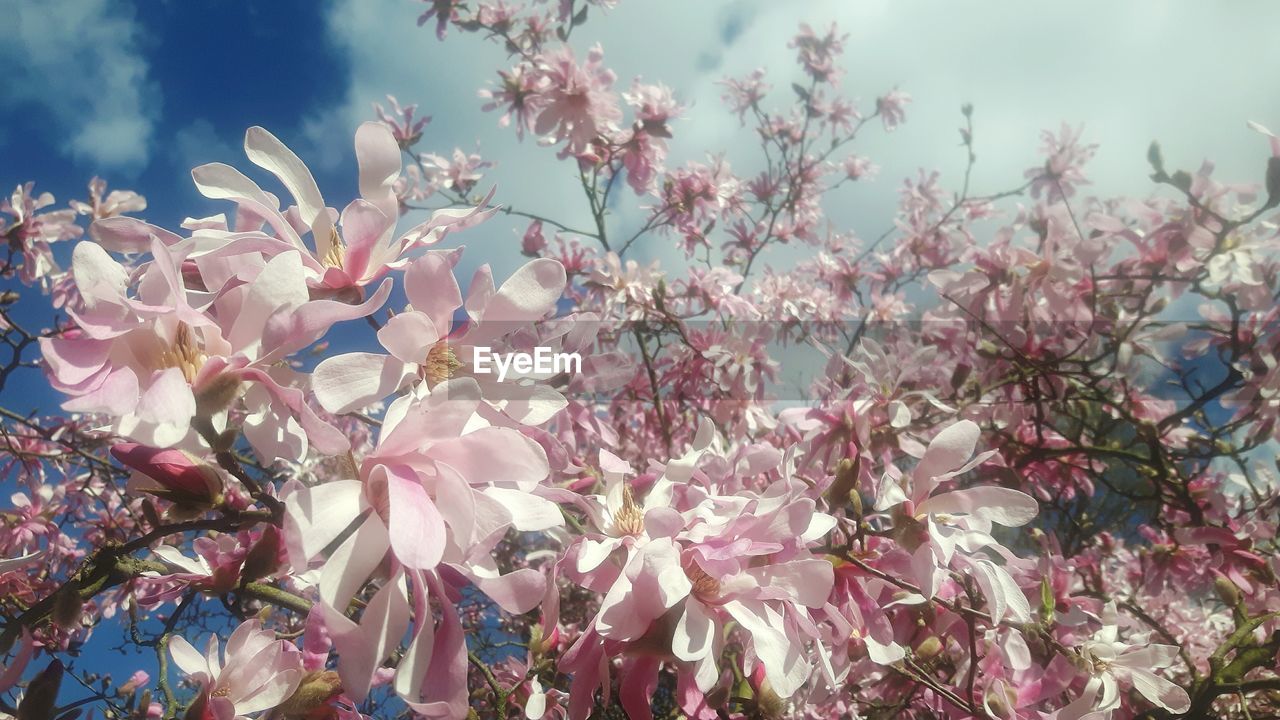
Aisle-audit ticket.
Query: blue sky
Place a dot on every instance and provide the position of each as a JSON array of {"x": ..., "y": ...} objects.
[{"x": 200, "y": 73}]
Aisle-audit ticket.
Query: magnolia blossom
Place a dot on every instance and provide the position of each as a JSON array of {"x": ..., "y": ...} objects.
[
  {"x": 701, "y": 519},
  {"x": 254, "y": 672},
  {"x": 31, "y": 232},
  {"x": 427, "y": 349},
  {"x": 440, "y": 486},
  {"x": 1108, "y": 661},
  {"x": 935, "y": 526},
  {"x": 159, "y": 360}
]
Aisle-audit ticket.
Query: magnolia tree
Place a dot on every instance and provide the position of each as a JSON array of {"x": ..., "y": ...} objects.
[{"x": 1016, "y": 480}]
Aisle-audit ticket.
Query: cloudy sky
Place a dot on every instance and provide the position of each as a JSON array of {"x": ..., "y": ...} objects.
[{"x": 141, "y": 91}]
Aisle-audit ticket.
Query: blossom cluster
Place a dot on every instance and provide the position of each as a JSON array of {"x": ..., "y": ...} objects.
[{"x": 1017, "y": 482}]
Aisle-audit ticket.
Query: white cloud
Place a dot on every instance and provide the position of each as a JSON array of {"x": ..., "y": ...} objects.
[
  {"x": 1188, "y": 74},
  {"x": 199, "y": 143},
  {"x": 80, "y": 61}
]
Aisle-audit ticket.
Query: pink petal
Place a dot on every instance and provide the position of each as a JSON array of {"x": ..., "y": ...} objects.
[
  {"x": 363, "y": 225},
  {"x": 291, "y": 330},
  {"x": 693, "y": 635},
  {"x": 356, "y": 380},
  {"x": 417, "y": 530},
  {"x": 1005, "y": 506},
  {"x": 378, "y": 156},
  {"x": 408, "y": 336},
  {"x": 267, "y": 152},
  {"x": 948, "y": 450},
  {"x": 125, "y": 234},
  {"x": 431, "y": 287}
]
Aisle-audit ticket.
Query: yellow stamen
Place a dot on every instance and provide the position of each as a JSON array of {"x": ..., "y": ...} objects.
[
  {"x": 629, "y": 519},
  {"x": 440, "y": 365},
  {"x": 705, "y": 587},
  {"x": 183, "y": 353},
  {"x": 337, "y": 252}
]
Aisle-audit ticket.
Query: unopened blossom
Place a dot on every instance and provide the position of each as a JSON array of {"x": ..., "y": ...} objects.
[{"x": 171, "y": 474}]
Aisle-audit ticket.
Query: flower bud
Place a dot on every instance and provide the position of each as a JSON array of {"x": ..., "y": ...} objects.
[
  {"x": 263, "y": 559},
  {"x": 315, "y": 690},
  {"x": 1273, "y": 181},
  {"x": 769, "y": 704},
  {"x": 42, "y": 693},
  {"x": 845, "y": 485},
  {"x": 175, "y": 475},
  {"x": 217, "y": 395},
  {"x": 929, "y": 648},
  {"x": 1048, "y": 603},
  {"x": 1227, "y": 591},
  {"x": 67, "y": 606}
]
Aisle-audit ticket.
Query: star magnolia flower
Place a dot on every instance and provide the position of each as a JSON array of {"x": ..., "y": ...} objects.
[
  {"x": 30, "y": 232},
  {"x": 440, "y": 486},
  {"x": 740, "y": 557},
  {"x": 155, "y": 361},
  {"x": 349, "y": 251},
  {"x": 425, "y": 349},
  {"x": 116, "y": 203},
  {"x": 933, "y": 527},
  {"x": 256, "y": 672},
  {"x": 1109, "y": 662},
  {"x": 622, "y": 521}
]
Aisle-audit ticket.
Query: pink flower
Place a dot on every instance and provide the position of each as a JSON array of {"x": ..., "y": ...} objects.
[
  {"x": 443, "y": 11},
  {"x": 30, "y": 232},
  {"x": 256, "y": 672},
  {"x": 441, "y": 486},
  {"x": 934, "y": 527},
  {"x": 459, "y": 174},
  {"x": 118, "y": 202},
  {"x": 518, "y": 96},
  {"x": 892, "y": 108},
  {"x": 153, "y": 362},
  {"x": 818, "y": 55},
  {"x": 745, "y": 95},
  {"x": 426, "y": 350},
  {"x": 364, "y": 251},
  {"x": 404, "y": 127},
  {"x": 579, "y": 105},
  {"x": 1109, "y": 661},
  {"x": 533, "y": 242},
  {"x": 1063, "y": 170}
]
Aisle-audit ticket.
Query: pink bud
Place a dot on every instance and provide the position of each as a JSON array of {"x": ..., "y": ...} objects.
[
  {"x": 534, "y": 241},
  {"x": 181, "y": 478}
]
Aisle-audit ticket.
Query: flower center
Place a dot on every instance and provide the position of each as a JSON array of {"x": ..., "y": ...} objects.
[
  {"x": 183, "y": 354},
  {"x": 440, "y": 365},
  {"x": 337, "y": 252},
  {"x": 223, "y": 691},
  {"x": 705, "y": 587},
  {"x": 629, "y": 519}
]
